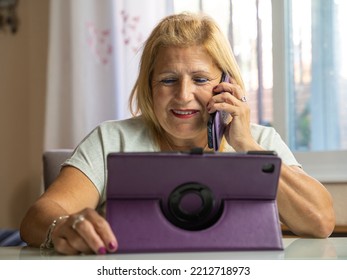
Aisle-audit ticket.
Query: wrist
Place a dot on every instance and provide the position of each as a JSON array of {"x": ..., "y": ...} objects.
[
  {"x": 251, "y": 145},
  {"x": 48, "y": 243}
]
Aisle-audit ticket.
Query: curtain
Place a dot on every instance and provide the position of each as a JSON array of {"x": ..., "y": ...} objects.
[{"x": 94, "y": 52}]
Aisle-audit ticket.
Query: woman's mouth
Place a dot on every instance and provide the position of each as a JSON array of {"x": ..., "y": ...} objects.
[{"x": 184, "y": 113}]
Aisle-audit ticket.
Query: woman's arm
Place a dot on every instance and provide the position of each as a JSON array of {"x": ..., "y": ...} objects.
[
  {"x": 304, "y": 204},
  {"x": 71, "y": 194}
]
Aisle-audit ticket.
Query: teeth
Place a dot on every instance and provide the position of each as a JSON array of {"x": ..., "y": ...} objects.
[{"x": 183, "y": 112}]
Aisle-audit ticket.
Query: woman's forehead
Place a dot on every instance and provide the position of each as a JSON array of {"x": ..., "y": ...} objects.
[{"x": 193, "y": 56}]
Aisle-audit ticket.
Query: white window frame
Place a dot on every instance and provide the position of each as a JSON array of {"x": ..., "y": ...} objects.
[{"x": 329, "y": 166}]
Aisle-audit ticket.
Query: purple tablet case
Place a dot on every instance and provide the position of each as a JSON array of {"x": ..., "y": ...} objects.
[{"x": 171, "y": 202}]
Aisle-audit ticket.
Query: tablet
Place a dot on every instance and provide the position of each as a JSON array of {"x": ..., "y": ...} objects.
[{"x": 170, "y": 202}]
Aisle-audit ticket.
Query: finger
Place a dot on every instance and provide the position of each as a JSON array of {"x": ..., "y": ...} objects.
[
  {"x": 63, "y": 247},
  {"x": 227, "y": 107},
  {"x": 103, "y": 229},
  {"x": 218, "y": 103},
  {"x": 226, "y": 97},
  {"x": 231, "y": 88},
  {"x": 71, "y": 246},
  {"x": 231, "y": 105},
  {"x": 68, "y": 241},
  {"x": 85, "y": 228}
]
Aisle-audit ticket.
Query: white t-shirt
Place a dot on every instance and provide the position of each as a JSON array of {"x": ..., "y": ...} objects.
[{"x": 132, "y": 135}]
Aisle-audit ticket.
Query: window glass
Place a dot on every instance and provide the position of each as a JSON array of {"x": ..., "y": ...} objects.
[{"x": 318, "y": 84}]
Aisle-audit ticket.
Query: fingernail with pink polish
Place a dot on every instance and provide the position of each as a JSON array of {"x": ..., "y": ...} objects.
[
  {"x": 102, "y": 251},
  {"x": 112, "y": 245}
]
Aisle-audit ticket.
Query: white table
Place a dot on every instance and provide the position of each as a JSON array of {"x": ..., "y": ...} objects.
[{"x": 294, "y": 248}]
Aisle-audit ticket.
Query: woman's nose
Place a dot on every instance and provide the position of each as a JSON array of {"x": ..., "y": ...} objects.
[{"x": 185, "y": 90}]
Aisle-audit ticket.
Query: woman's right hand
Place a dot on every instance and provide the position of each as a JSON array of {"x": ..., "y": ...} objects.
[{"x": 84, "y": 232}]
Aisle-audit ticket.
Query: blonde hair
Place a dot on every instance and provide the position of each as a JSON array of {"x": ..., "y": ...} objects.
[{"x": 181, "y": 30}]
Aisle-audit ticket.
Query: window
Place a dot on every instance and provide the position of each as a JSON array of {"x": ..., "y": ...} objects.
[
  {"x": 318, "y": 97},
  {"x": 291, "y": 57},
  {"x": 310, "y": 83}
]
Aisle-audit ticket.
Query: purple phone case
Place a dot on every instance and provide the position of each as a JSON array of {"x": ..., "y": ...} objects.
[
  {"x": 217, "y": 124},
  {"x": 139, "y": 195},
  {"x": 218, "y": 128}
]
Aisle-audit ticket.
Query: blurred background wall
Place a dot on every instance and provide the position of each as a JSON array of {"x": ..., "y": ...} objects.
[{"x": 22, "y": 98}]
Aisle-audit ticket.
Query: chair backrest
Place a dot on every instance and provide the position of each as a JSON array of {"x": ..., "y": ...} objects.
[{"x": 52, "y": 161}]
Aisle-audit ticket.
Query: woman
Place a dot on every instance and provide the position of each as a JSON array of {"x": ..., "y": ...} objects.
[{"x": 176, "y": 91}]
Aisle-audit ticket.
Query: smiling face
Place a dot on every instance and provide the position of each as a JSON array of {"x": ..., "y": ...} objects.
[{"x": 182, "y": 84}]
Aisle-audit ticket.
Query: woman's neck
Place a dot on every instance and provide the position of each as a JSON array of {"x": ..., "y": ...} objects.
[{"x": 169, "y": 145}]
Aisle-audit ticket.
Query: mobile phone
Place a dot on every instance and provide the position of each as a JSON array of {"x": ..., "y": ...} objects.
[{"x": 216, "y": 124}]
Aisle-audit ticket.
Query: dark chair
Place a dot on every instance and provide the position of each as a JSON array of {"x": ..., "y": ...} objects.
[{"x": 52, "y": 160}]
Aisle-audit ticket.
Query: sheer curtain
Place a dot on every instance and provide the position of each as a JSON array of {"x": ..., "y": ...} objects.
[{"x": 94, "y": 51}]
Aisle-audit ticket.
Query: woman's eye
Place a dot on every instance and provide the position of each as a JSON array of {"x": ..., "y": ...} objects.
[
  {"x": 168, "y": 81},
  {"x": 201, "y": 80}
]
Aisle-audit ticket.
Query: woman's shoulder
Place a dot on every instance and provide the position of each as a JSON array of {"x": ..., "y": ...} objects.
[
  {"x": 128, "y": 134},
  {"x": 130, "y": 125},
  {"x": 261, "y": 131},
  {"x": 123, "y": 123}
]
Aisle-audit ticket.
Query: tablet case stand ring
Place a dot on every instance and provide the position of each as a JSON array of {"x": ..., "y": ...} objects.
[{"x": 191, "y": 206}]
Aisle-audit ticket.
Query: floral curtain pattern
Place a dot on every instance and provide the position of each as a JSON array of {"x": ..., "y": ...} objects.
[{"x": 94, "y": 51}]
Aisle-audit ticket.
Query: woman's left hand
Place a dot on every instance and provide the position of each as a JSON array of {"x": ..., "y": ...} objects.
[{"x": 231, "y": 98}]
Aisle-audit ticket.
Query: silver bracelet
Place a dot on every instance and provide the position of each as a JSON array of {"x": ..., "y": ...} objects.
[{"x": 48, "y": 244}]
